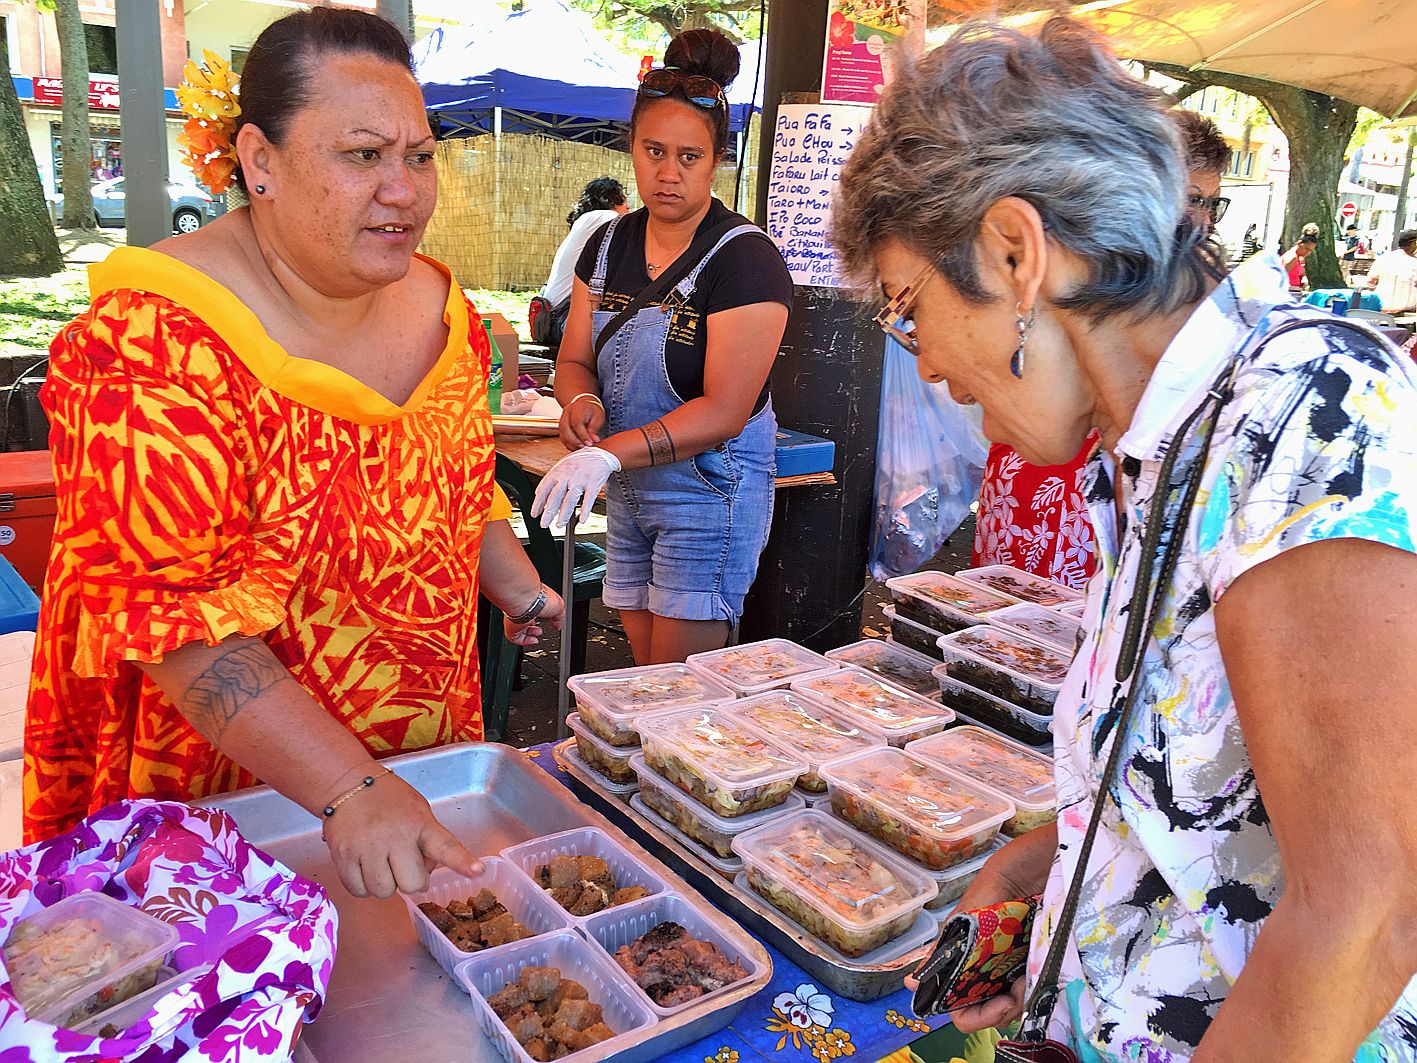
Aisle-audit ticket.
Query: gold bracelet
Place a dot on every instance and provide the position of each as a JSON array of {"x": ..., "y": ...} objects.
[
  {"x": 368, "y": 781},
  {"x": 586, "y": 395}
]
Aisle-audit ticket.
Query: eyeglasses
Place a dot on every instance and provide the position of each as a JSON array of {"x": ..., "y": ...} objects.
[
  {"x": 894, "y": 318},
  {"x": 703, "y": 92},
  {"x": 1215, "y": 206}
]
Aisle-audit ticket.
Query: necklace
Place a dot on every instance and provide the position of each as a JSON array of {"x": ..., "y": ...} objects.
[{"x": 653, "y": 269}]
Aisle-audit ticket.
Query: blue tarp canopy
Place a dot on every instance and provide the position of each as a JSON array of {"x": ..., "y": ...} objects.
[{"x": 546, "y": 68}]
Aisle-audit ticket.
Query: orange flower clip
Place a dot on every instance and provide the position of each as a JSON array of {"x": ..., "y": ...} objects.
[{"x": 209, "y": 98}]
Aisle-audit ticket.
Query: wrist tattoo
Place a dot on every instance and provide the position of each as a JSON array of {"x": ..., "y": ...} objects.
[
  {"x": 229, "y": 684},
  {"x": 661, "y": 444}
]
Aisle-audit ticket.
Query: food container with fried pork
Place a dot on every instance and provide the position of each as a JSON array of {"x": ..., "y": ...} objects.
[
  {"x": 760, "y": 666},
  {"x": 944, "y": 603},
  {"x": 1020, "y": 585},
  {"x": 1041, "y": 624},
  {"x": 611, "y": 702},
  {"x": 878, "y": 707},
  {"x": 840, "y": 886},
  {"x": 899, "y": 664},
  {"x": 1009, "y": 666},
  {"x": 975, "y": 706},
  {"x": 584, "y": 870},
  {"x": 1018, "y": 773},
  {"x": 729, "y": 767},
  {"x": 809, "y": 729},
  {"x": 697, "y": 821}
]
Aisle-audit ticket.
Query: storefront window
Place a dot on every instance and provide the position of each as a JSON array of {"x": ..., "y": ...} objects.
[{"x": 105, "y": 153}]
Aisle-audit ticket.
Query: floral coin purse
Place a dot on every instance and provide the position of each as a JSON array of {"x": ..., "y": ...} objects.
[{"x": 979, "y": 954}]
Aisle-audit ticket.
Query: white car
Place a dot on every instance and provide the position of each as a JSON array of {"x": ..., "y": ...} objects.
[{"x": 192, "y": 205}]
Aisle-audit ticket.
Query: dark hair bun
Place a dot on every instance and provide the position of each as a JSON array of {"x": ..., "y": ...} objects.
[{"x": 705, "y": 52}]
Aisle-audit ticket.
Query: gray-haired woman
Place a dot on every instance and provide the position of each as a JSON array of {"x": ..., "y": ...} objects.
[{"x": 1252, "y": 890}]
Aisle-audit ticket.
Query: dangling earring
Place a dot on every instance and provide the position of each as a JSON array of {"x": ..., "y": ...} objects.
[{"x": 1024, "y": 325}]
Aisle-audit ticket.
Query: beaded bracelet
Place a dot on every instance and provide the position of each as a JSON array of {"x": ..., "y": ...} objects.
[{"x": 330, "y": 809}]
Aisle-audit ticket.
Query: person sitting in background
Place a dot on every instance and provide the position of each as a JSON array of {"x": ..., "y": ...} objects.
[
  {"x": 602, "y": 200},
  {"x": 1294, "y": 258},
  {"x": 1394, "y": 275}
]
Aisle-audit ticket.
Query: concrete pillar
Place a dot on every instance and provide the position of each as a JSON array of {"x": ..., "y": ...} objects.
[{"x": 141, "y": 106}]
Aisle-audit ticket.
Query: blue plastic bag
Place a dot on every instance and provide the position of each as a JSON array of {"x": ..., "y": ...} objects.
[{"x": 929, "y": 464}]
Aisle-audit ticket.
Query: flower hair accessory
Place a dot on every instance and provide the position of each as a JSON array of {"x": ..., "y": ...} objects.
[{"x": 208, "y": 97}]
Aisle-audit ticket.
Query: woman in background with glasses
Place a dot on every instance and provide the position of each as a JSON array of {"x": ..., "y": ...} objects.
[{"x": 673, "y": 409}]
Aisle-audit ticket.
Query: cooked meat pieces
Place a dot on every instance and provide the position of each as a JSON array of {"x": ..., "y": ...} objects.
[
  {"x": 594, "y": 869},
  {"x": 539, "y": 982},
  {"x": 475, "y": 923},
  {"x": 439, "y": 916},
  {"x": 660, "y": 936},
  {"x": 578, "y": 1015},
  {"x": 584, "y": 885},
  {"x": 502, "y": 929},
  {"x": 682, "y": 995},
  {"x": 714, "y": 969},
  {"x": 537, "y": 1049},
  {"x": 484, "y": 903},
  {"x": 543, "y": 1030},
  {"x": 593, "y": 1036},
  {"x": 569, "y": 989},
  {"x": 673, "y": 967},
  {"x": 562, "y": 872},
  {"x": 462, "y": 909},
  {"x": 593, "y": 898},
  {"x": 465, "y": 936},
  {"x": 511, "y": 997},
  {"x": 626, "y": 895},
  {"x": 525, "y": 1025}
]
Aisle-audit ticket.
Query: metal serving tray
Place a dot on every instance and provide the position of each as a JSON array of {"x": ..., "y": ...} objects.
[
  {"x": 388, "y": 999},
  {"x": 857, "y": 981}
]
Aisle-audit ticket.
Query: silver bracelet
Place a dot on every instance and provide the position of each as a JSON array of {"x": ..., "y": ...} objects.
[{"x": 536, "y": 609}]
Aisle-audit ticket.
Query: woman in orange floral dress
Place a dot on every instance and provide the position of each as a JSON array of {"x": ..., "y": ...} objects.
[{"x": 274, "y": 479}]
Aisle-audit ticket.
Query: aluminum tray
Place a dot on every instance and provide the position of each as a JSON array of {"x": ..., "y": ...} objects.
[
  {"x": 858, "y": 982},
  {"x": 388, "y": 999}
]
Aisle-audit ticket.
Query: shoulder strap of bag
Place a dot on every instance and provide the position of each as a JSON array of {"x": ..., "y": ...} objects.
[
  {"x": 657, "y": 288},
  {"x": 1142, "y": 616}
]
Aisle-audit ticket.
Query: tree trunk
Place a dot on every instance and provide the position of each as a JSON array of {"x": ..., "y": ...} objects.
[
  {"x": 74, "y": 135},
  {"x": 1399, "y": 219},
  {"x": 29, "y": 247}
]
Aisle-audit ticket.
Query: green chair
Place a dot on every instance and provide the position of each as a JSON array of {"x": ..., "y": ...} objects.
[{"x": 501, "y": 660}]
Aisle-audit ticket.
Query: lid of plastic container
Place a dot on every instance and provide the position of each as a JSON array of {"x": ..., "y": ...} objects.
[
  {"x": 723, "y": 750},
  {"x": 704, "y": 814},
  {"x": 949, "y": 684},
  {"x": 726, "y": 865},
  {"x": 631, "y": 691},
  {"x": 803, "y": 726},
  {"x": 1039, "y": 622},
  {"x": 874, "y": 702},
  {"x": 1031, "y": 661},
  {"x": 937, "y": 802},
  {"x": 900, "y": 664},
  {"x": 759, "y": 666},
  {"x": 1021, "y": 774},
  {"x": 1020, "y": 585},
  {"x": 61, "y": 954},
  {"x": 958, "y": 594},
  {"x": 970, "y": 866},
  {"x": 848, "y": 877}
]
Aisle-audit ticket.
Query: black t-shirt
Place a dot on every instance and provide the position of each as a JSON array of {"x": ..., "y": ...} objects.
[{"x": 748, "y": 269}]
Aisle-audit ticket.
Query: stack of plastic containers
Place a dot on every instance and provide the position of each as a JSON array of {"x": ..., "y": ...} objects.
[
  {"x": 901, "y": 665},
  {"x": 810, "y": 730},
  {"x": 1007, "y": 767},
  {"x": 757, "y": 667},
  {"x": 1041, "y": 624},
  {"x": 931, "y": 604},
  {"x": 879, "y": 708},
  {"x": 1019, "y": 585},
  {"x": 1003, "y": 679}
]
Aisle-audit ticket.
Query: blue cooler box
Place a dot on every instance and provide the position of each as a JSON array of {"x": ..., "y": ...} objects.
[
  {"x": 799, "y": 454},
  {"x": 19, "y": 607}
]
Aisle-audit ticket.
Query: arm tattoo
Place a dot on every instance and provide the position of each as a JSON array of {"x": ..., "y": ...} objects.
[
  {"x": 232, "y": 681},
  {"x": 661, "y": 445}
]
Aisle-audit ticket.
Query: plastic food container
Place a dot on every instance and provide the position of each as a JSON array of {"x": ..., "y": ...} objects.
[
  {"x": 731, "y": 768},
  {"x": 1030, "y": 728},
  {"x": 624, "y": 926},
  {"x": 525, "y": 901},
  {"x": 1003, "y": 765},
  {"x": 627, "y": 868},
  {"x": 945, "y": 603},
  {"x": 611, "y": 702},
  {"x": 1009, "y": 666},
  {"x": 761, "y": 666},
  {"x": 1073, "y": 609},
  {"x": 135, "y": 1009},
  {"x": 690, "y": 818},
  {"x": 727, "y": 867},
  {"x": 1020, "y": 585},
  {"x": 840, "y": 886},
  {"x": 901, "y": 665},
  {"x": 620, "y": 790},
  {"x": 624, "y": 1006},
  {"x": 807, "y": 729},
  {"x": 83, "y": 955},
  {"x": 1041, "y": 624},
  {"x": 912, "y": 636},
  {"x": 611, "y": 762},
  {"x": 953, "y": 881},
  {"x": 876, "y": 706},
  {"x": 924, "y": 811}
]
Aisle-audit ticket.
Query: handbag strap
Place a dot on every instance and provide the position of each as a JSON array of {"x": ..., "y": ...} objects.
[
  {"x": 656, "y": 290},
  {"x": 1142, "y": 615}
]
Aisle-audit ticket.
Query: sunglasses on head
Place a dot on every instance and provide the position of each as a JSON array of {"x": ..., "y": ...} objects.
[
  {"x": 1215, "y": 206},
  {"x": 703, "y": 92}
]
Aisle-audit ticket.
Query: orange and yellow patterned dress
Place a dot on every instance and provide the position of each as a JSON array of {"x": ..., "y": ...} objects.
[{"x": 209, "y": 483}]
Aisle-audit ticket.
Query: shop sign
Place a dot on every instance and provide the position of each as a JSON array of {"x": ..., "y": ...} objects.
[
  {"x": 863, "y": 37},
  {"x": 103, "y": 95}
]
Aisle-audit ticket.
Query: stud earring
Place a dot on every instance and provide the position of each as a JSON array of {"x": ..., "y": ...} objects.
[
  {"x": 260, "y": 190},
  {"x": 1025, "y": 324}
]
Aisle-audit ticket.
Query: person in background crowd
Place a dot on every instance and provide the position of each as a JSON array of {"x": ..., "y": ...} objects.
[
  {"x": 1293, "y": 260},
  {"x": 1394, "y": 275},
  {"x": 1353, "y": 246},
  {"x": 673, "y": 409},
  {"x": 1251, "y": 245},
  {"x": 1034, "y": 517},
  {"x": 274, "y": 483},
  {"x": 602, "y": 200},
  {"x": 1251, "y": 892}
]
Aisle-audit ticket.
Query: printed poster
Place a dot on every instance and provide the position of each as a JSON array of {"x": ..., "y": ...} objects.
[{"x": 862, "y": 37}]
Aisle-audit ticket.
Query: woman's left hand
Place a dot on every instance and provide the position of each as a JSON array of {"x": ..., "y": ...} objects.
[
  {"x": 576, "y": 478},
  {"x": 530, "y": 634}
]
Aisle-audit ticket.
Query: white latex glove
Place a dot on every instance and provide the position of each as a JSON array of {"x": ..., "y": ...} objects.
[{"x": 580, "y": 474}]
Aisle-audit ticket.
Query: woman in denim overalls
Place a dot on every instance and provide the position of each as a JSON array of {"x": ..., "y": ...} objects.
[{"x": 688, "y": 478}]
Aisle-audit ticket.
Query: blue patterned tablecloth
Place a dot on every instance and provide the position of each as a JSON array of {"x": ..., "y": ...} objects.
[{"x": 792, "y": 1018}]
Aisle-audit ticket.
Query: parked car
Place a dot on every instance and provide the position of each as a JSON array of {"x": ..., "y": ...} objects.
[{"x": 192, "y": 205}]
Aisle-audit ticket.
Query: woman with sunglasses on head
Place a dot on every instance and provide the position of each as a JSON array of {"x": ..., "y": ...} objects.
[
  {"x": 666, "y": 404},
  {"x": 1233, "y": 870}
]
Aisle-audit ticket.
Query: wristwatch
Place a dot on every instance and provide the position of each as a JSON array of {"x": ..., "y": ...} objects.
[{"x": 536, "y": 609}]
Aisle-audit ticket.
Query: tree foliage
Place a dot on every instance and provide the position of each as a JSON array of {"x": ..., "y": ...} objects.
[{"x": 737, "y": 18}]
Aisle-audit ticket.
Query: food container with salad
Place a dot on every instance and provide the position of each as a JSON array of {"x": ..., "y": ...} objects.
[
  {"x": 612, "y": 762},
  {"x": 1020, "y": 585},
  {"x": 1015, "y": 771},
  {"x": 725, "y": 866},
  {"x": 876, "y": 706},
  {"x": 953, "y": 881},
  {"x": 690, "y": 817},
  {"x": 83, "y": 955},
  {"x": 1040, "y": 623},
  {"x": 760, "y": 666},
  {"x": 1031, "y": 728},
  {"x": 840, "y": 886},
  {"x": 926, "y": 812},
  {"x": 909, "y": 635},
  {"x": 944, "y": 602},
  {"x": 901, "y": 665},
  {"x": 611, "y": 702},
  {"x": 806, "y": 728},
  {"x": 1007, "y": 665},
  {"x": 729, "y": 767}
]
